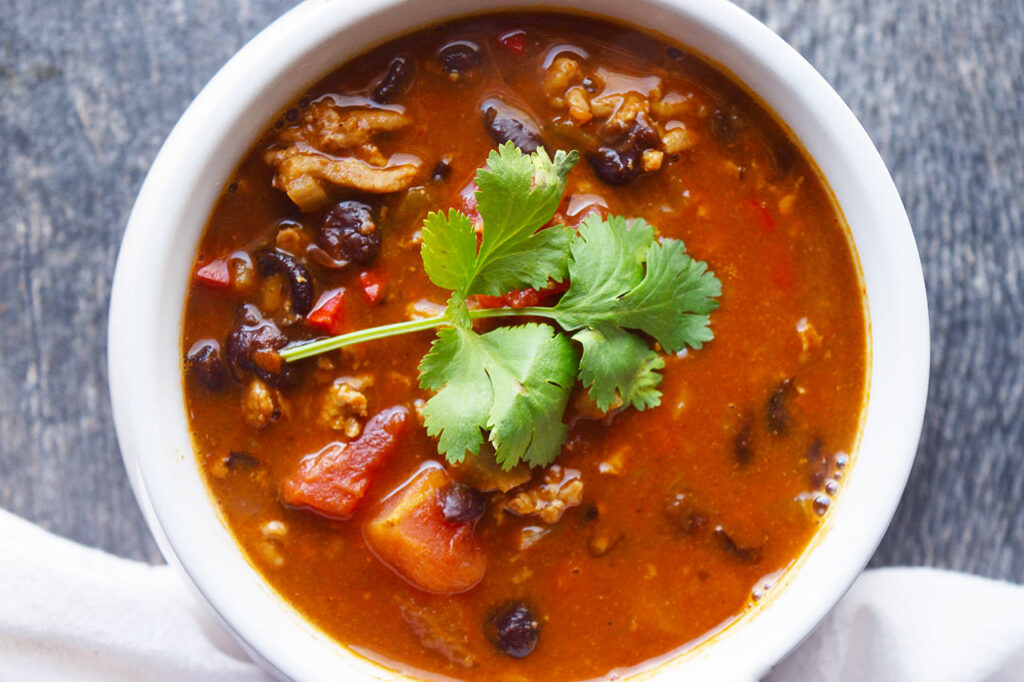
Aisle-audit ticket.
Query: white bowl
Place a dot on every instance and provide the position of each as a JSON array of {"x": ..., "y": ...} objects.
[{"x": 293, "y": 53}]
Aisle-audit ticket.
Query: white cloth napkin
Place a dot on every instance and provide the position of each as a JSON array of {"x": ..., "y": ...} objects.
[{"x": 71, "y": 613}]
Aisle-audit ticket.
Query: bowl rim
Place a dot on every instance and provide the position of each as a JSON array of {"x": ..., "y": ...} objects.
[{"x": 234, "y": 107}]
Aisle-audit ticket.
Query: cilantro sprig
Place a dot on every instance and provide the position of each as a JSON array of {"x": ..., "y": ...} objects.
[
  {"x": 517, "y": 196},
  {"x": 511, "y": 385}
]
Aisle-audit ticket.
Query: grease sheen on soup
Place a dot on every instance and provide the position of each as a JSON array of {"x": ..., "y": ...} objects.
[{"x": 655, "y": 528}]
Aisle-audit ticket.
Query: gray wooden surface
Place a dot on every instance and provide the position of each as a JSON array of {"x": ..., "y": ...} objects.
[{"x": 89, "y": 89}]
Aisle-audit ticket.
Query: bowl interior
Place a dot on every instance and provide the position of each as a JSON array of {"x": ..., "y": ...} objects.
[{"x": 227, "y": 116}]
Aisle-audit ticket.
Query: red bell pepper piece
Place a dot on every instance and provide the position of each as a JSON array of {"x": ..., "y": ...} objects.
[
  {"x": 761, "y": 215},
  {"x": 214, "y": 274},
  {"x": 514, "y": 42},
  {"x": 329, "y": 312},
  {"x": 373, "y": 287},
  {"x": 523, "y": 298}
]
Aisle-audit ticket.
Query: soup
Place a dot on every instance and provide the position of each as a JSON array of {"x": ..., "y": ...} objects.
[{"x": 639, "y": 532}]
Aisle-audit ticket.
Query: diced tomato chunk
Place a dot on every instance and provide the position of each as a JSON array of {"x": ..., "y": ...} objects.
[
  {"x": 411, "y": 536},
  {"x": 523, "y": 298},
  {"x": 373, "y": 287},
  {"x": 553, "y": 290},
  {"x": 329, "y": 312},
  {"x": 334, "y": 481},
  {"x": 467, "y": 201},
  {"x": 514, "y": 42},
  {"x": 467, "y": 204},
  {"x": 490, "y": 301},
  {"x": 761, "y": 215},
  {"x": 214, "y": 274}
]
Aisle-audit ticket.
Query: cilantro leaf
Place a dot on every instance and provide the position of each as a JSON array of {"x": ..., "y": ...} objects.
[
  {"x": 622, "y": 279},
  {"x": 533, "y": 372},
  {"x": 607, "y": 260},
  {"x": 449, "y": 249},
  {"x": 617, "y": 364},
  {"x": 514, "y": 381},
  {"x": 455, "y": 367},
  {"x": 674, "y": 300},
  {"x": 620, "y": 276},
  {"x": 517, "y": 196}
]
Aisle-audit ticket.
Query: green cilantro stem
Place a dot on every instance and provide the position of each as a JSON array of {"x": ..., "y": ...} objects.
[{"x": 307, "y": 350}]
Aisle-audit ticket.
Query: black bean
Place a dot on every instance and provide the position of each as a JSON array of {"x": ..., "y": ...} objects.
[
  {"x": 683, "y": 515},
  {"x": 442, "y": 170},
  {"x": 778, "y": 415},
  {"x": 459, "y": 58},
  {"x": 695, "y": 521},
  {"x": 460, "y": 503},
  {"x": 395, "y": 82},
  {"x": 725, "y": 126},
  {"x": 621, "y": 164},
  {"x": 743, "y": 442},
  {"x": 748, "y": 555},
  {"x": 252, "y": 334},
  {"x": 784, "y": 156},
  {"x": 506, "y": 123},
  {"x": 204, "y": 363},
  {"x": 589, "y": 515},
  {"x": 348, "y": 233},
  {"x": 642, "y": 136},
  {"x": 239, "y": 460},
  {"x": 513, "y": 629},
  {"x": 612, "y": 167},
  {"x": 674, "y": 53},
  {"x": 300, "y": 286}
]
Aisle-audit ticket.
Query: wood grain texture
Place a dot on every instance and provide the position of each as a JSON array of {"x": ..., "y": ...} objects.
[{"x": 90, "y": 88}]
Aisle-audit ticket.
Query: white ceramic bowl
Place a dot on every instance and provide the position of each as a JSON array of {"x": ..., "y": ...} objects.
[{"x": 297, "y": 50}]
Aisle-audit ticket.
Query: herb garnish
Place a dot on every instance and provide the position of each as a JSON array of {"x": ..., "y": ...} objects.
[{"x": 514, "y": 382}]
